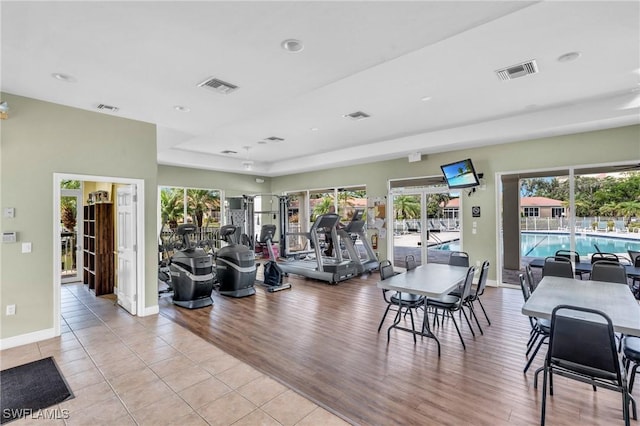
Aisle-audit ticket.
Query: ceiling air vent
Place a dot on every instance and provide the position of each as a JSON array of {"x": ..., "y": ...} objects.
[
  {"x": 274, "y": 139},
  {"x": 109, "y": 108},
  {"x": 218, "y": 85},
  {"x": 358, "y": 115},
  {"x": 519, "y": 70},
  {"x": 228, "y": 151}
]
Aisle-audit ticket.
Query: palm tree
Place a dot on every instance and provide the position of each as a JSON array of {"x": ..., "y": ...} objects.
[
  {"x": 322, "y": 207},
  {"x": 406, "y": 207},
  {"x": 628, "y": 209},
  {"x": 171, "y": 206},
  {"x": 201, "y": 201}
]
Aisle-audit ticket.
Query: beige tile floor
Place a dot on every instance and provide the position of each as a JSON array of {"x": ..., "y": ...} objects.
[{"x": 126, "y": 370}]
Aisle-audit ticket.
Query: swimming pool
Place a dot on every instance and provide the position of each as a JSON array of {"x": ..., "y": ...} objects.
[{"x": 533, "y": 244}]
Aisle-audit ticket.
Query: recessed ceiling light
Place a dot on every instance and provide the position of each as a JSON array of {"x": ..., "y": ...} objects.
[
  {"x": 292, "y": 45},
  {"x": 568, "y": 57},
  {"x": 181, "y": 108},
  {"x": 314, "y": 129},
  {"x": 64, "y": 77},
  {"x": 426, "y": 98}
]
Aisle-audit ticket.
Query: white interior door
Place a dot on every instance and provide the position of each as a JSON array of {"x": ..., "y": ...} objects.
[{"x": 126, "y": 242}]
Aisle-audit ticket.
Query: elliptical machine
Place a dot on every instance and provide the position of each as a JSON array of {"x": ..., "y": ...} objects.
[
  {"x": 191, "y": 271},
  {"x": 235, "y": 266}
]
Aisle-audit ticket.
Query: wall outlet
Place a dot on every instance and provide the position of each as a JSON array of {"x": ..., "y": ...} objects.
[{"x": 11, "y": 309}]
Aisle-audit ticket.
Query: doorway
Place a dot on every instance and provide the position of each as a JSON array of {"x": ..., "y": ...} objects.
[
  {"x": 134, "y": 235},
  {"x": 425, "y": 223},
  {"x": 71, "y": 233}
]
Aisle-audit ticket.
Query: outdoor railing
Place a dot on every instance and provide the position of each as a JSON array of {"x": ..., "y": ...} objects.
[{"x": 583, "y": 224}]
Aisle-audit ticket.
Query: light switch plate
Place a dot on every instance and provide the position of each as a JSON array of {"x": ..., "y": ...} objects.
[
  {"x": 9, "y": 212},
  {"x": 26, "y": 247},
  {"x": 9, "y": 237}
]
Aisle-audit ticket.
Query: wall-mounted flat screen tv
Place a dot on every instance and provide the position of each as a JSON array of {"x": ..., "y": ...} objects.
[{"x": 460, "y": 174}]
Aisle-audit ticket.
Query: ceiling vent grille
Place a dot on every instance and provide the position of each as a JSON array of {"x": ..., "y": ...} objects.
[
  {"x": 358, "y": 115},
  {"x": 218, "y": 85},
  {"x": 518, "y": 70},
  {"x": 274, "y": 139},
  {"x": 228, "y": 151},
  {"x": 104, "y": 107}
]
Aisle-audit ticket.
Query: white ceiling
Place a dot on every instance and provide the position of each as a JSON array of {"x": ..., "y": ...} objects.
[{"x": 379, "y": 57}]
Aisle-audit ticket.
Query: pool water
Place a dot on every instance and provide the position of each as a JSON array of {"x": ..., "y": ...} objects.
[{"x": 543, "y": 245}]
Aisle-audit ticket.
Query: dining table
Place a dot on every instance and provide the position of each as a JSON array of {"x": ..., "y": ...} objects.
[
  {"x": 614, "y": 299},
  {"x": 431, "y": 280}
]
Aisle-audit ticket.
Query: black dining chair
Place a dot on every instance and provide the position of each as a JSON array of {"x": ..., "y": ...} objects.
[
  {"x": 410, "y": 262},
  {"x": 459, "y": 258},
  {"x": 635, "y": 279},
  {"x": 557, "y": 267},
  {"x": 572, "y": 255},
  {"x": 540, "y": 328},
  {"x": 582, "y": 347},
  {"x": 531, "y": 280},
  {"x": 476, "y": 292},
  {"x": 609, "y": 271},
  {"x": 401, "y": 301},
  {"x": 450, "y": 304},
  {"x": 631, "y": 354},
  {"x": 595, "y": 257}
]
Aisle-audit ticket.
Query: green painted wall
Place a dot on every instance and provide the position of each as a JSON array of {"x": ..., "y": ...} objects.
[
  {"x": 234, "y": 184},
  {"x": 38, "y": 140},
  {"x": 599, "y": 147}
]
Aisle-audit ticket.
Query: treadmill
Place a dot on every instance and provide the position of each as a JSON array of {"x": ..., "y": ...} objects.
[
  {"x": 330, "y": 269},
  {"x": 368, "y": 261}
]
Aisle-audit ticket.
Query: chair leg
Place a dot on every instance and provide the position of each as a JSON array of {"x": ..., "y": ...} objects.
[
  {"x": 383, "y": 317},
  {"x": 632, "y": 379},
  {"x": 467, "y": 319},
  {"x": 534, "y": 354},
  {"x": 485, "y": 312},
  {"x": 544, "y": 397},
  {"x": 473, "y": 314},
  {"x": 533, "y": 343},
  {"x": 458, "y": 330},
  {"x": 413, "y": 327},
  {"x": 533, "y": 335}
]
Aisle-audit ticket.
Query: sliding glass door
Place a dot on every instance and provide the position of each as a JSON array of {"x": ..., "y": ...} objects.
[{"x": 426, "y": 224}]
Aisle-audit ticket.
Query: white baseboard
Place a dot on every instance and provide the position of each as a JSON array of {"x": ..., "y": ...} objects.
[
  {"x": 150, "y": 310},
  {"x": 24, "y": 339}
]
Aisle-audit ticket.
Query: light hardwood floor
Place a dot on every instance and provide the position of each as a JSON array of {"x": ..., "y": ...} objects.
[{"x": 322, "y": 341}]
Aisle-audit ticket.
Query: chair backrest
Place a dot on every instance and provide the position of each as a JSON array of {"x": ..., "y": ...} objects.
[
  {"x": 459, "y": 258},
  {"x": 604, "y": 256},
  {"x": 482, "y": 280},
  {"x": 386, "y": 270},
  {"x": 573, "y": 256},
  {"x": 465, "y": 286},
  {"x": 609, "y": 271},
  {"x": 635, "y": 257},
  {"x": 526, "y": 292},
  {"x": 583, "y": 343},
  {"x": 410, "y": 262},
  {"x": 531, "y": 280},
  {"x": 557, "y": 267}
]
